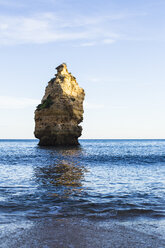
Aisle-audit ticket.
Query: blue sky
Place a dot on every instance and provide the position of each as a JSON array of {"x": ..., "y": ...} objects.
[{"x": 115, "y": 49}]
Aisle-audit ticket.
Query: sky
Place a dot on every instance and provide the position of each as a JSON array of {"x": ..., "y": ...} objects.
[{"x": 114, "y": 48}]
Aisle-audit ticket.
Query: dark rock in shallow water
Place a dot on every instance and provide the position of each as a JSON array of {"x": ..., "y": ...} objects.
[{"x": 58, "y": 116}]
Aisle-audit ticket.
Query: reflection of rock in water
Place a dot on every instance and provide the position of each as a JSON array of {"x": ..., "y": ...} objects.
[
  {"x": 68, "y": 174},
  {"x": 70, "y": 153},
  {"x": 65, "y": 175}
]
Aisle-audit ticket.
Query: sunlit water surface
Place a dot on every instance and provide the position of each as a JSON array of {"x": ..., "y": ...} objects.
[{"x": 119, "y": 179}]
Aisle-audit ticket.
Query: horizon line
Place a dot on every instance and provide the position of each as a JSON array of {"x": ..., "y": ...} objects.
[{"x": 90, "y": 139}]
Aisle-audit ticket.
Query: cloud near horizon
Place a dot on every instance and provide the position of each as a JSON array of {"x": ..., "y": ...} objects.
[{"x": 9, "y": 102}]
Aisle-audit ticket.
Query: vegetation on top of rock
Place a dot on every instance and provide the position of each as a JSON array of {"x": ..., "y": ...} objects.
[{"x": 46, "y": 103}]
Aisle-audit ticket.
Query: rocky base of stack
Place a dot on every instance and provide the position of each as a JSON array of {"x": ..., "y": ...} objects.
[
  {"x": 59, "y": 141},
  {"x": 47, "y": 139}
]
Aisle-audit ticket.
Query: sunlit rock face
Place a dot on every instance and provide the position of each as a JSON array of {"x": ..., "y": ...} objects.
[{"x": 58, "y": 116}]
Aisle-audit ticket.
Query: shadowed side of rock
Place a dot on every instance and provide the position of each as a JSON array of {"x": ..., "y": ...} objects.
[{"x": 58, "y": 116}]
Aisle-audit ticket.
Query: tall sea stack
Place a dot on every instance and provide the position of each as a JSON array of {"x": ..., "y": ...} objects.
[{"x": 58, "y": 116}]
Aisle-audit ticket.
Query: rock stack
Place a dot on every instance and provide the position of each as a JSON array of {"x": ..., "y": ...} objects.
[{"x": 58, "y": 116}]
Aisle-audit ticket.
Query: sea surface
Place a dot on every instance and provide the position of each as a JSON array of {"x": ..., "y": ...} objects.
[{"x": 104, "y": 179}]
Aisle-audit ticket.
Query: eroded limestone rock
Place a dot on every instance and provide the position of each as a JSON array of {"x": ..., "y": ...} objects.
[{"x": 58, "y": 116}]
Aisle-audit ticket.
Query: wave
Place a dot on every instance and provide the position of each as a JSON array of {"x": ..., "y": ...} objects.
[{"x": 125, "y": 159}]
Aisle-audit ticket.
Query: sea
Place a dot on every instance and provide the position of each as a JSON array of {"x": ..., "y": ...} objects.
[{"x": 121, "y": 180}]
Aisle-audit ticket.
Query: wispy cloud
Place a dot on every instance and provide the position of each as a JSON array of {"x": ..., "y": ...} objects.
[
  {"x": 50, "y": 27},
  {"x": 109, "y": 80},
  {"x": 95, "y": 106},
  {"x": 8, "y": 102},
  {"x": 88, "y": 105},
  {"x": 8, "y": 3},
  {"x": 37, "y": 29},
  {"x": 88, "y": 44},
  {"x": 60, "y": 26},
  {"x": 108, "y": 41}
]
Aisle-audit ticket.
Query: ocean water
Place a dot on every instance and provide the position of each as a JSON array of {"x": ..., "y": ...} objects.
[{"x": 104, "y": 179}]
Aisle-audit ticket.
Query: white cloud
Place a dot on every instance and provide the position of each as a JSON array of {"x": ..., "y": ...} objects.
[
  {"x": 8, "y": 102},
  {"x": 49, "y": 27},
  {"x": 3, "y": 26},
  {"x": 108, "y": 41},
  {"x": 111, "y": 80},
  {"x": 88, "y": 105},
  {"x": 7, "y": 3},
  {"x": 88, "y": 44},
  {"x": 94, "y": 80},
  {"x": 19, "y": 30}
]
